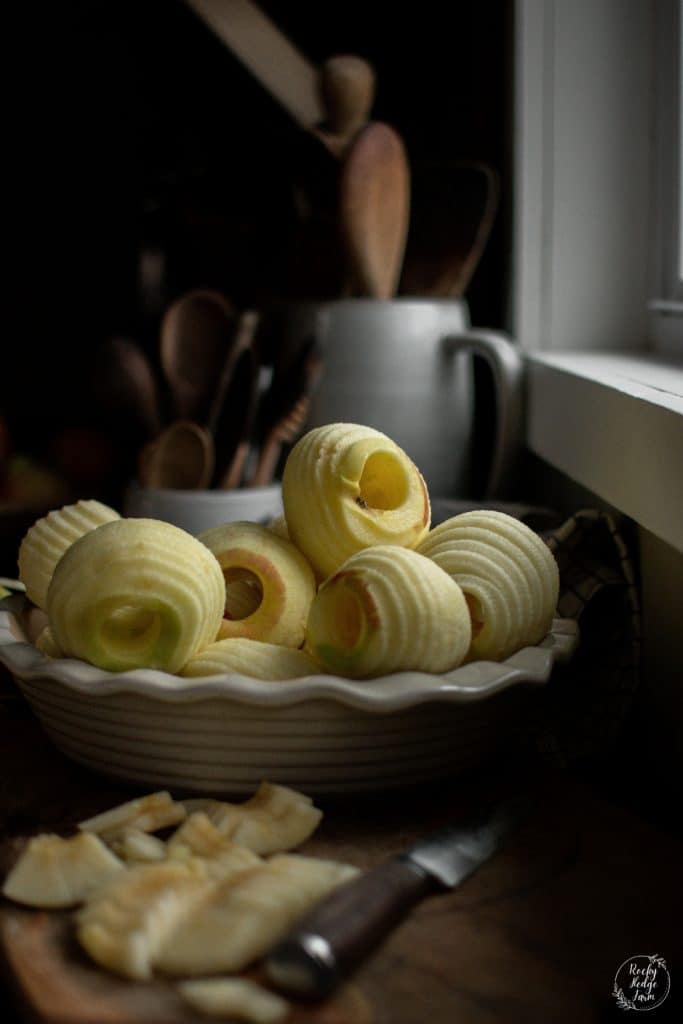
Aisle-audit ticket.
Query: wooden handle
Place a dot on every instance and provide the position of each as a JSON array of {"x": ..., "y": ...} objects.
[
  {"x": 347, "y": 88},
  {"x": 346, "y": 927},
  {"x": 268, "y": 54}
]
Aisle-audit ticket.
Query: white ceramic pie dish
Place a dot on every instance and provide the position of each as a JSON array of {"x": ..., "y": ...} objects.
[{"x": 322, "y": 734}]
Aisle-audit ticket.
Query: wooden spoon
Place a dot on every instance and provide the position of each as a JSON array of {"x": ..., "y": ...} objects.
[
  {"x": 180, "y": 458},
  {"x": 347, "y": 89},
  {"x": 242, "y": 339},
  {"x": 454, "y": 210},
  {"x": 196, "y": 333},
  {"x": 123, "y": 383},
  {"x": 288, "y": 403},
  {"x": 374, "y": 209}
]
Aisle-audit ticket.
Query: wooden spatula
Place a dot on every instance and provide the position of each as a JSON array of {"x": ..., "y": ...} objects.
[{"x": 374, "y": 209}]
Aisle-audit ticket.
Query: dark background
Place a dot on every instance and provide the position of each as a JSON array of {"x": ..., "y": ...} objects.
[{"x": 134, "y": 133}]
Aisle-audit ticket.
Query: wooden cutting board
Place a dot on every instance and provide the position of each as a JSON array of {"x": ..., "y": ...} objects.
[{"x": 536, "y": 935}]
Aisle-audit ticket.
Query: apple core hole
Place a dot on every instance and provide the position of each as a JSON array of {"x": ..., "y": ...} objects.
[
  {"x": 476, "y": 614},
  {"x": 384, "y": 482},
  {"x": 341, "y": 618},
  {"x": 130, "y": 629},
  {"x": 243, "y": 593}
]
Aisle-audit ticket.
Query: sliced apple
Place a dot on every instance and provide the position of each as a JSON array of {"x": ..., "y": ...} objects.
[
  {"x": 55, "y": 873},
  {"x": 234, "y": 997},
  {"x": 198, "y": 837},
  {"x": 276, "y": 818},
  {"x": 242, "y": 919},
  {"x": 346, "y": 487},
  {"x": 269, "y": 585},
  {"x": 126, "y": 922},
  {"x": 509, "y": 576},
  {"x": 387, "y": 610},
  {"x": 136, "y": 593},
  {"x": 253, "y": 658},
  {"x": 145, "y": 814},
  {"x": 48, "y": 539},
  {"x": 138, "y": 847}
]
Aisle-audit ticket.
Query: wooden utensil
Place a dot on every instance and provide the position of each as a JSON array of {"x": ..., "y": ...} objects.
[
  {"x": 267, "y": 53},
  {"x": 181, "y": 458},
  {"x": 286, "y": 411},
  {"x": 234, "y": 425},
  {"x": 374, "y": 209},
  {"x": 331, "y": 106},
  {"x": 242, "y": 339},
  {"x": 453, "y": 212},
  {"x": 124, "y": 384},
  {"x": 347, "y": 89},
  {"x": 196, "y": 335}
]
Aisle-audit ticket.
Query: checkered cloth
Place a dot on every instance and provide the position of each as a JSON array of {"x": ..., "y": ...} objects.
[
  {"x": 590, "y": 699},
  {"x": 586, "y": 703}
]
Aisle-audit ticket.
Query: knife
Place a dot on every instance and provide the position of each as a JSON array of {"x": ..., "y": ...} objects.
[{"x": 343, "y": 929}]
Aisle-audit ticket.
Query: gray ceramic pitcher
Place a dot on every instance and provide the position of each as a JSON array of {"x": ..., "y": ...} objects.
[{"x": 405, "y": 367}]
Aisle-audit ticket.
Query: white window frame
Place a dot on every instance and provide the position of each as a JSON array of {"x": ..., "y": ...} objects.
[
  {"x": 602, "y": 406},
  {"x": 666, "y": 306}
]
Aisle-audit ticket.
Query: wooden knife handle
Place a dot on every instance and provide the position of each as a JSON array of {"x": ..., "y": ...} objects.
[{"x": 334, "y": 939}]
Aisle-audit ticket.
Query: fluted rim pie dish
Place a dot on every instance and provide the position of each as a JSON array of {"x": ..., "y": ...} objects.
[
  {"x": 400, "y": 690},
  {"x": 322, "y": 734}
]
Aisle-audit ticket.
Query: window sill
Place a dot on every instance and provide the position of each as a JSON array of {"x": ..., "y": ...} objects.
[{"x": 614, "y": 423}]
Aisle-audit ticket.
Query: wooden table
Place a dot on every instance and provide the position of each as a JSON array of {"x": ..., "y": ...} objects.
[{"x": 535, "y": 936}]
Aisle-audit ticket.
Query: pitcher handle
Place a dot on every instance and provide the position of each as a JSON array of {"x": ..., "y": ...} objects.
[{"x": 505, "y": 362}]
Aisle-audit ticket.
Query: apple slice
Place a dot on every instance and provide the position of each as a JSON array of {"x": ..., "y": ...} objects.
[
  {"x": 253, "y": 658},
  {"x": 274, "y": 819},
  {"x": 126, "y": 922},
  {"x": 136, "y": 593},
  {"x": 234, "y": 997},
  {"x": 508, "y": 574},
  {"x": 54, "y": 873},
  {"x": 387, "y": 610},
  {"x": 48, "y": 539},
  {"x": 269, "y": 585},
  {"x": 146, "y": 814},
  {"x": 346, "y": 487},
  {"x": 244, "y": 917}
]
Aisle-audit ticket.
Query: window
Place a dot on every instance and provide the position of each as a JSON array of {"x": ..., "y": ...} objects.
[
  {"x": 666, "y": 306},
  {"x": 599, "y": 175},
  {"x": 598, "y": 237}
]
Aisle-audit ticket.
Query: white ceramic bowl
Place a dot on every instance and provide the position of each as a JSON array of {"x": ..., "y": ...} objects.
[
  {"x": 322, "y": 734},
  {"x": 196, "y": 511}
]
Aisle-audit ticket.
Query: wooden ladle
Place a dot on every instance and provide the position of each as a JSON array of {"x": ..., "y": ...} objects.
[
  {"x": 196, "y": 334},
  {"x": 374, "y": 209}
]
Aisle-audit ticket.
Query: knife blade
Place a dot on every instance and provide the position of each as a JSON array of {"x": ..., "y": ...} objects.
[{"x": 330, "y": 942}]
